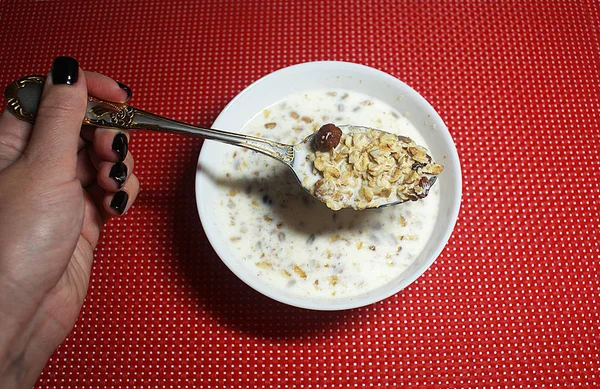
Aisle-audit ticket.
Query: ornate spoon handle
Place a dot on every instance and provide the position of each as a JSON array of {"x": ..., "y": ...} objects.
[{"x": 23, "y": 97}]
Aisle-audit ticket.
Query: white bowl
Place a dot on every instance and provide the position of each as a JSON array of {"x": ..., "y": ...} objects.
[{"x": 328, "y": 74}]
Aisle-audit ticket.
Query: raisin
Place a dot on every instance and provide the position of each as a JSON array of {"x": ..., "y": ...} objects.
[
  {"x": 327, "y": 138},
  {"x": 418, "y": 165}
]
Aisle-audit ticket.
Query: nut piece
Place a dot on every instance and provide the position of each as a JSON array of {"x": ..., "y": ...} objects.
[
  {"x": 327, "y": 138},
  {"x": 298, "y": 270}
]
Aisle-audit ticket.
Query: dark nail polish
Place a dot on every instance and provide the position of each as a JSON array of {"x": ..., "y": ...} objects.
[
  {"x": 119, "y": 173},
  {"x": 65, "y": 70},
  {"x": 119, "y": 145},
  {"x": 119, "y": 202},
  {"x": 126, "y": 89}
]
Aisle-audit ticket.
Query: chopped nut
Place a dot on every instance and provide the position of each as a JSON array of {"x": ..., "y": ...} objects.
[
  {"x": 270, "y": 125},
  {"x": 264, "y": 264},
  {"x": 294, "y": 115},
  {"x": 306, "y": 119},
  {"x": 285, "y": 273},
  {"x": 301, "y": 273},
  {"x": 333, "y": 280},
  {"x": 402, "y": 221}
]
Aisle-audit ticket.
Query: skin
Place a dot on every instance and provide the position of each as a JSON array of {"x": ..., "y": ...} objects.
[{"x": 55, "y": 196}]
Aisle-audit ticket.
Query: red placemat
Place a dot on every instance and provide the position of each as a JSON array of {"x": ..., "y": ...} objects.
[{"x": 511, "y": 302}]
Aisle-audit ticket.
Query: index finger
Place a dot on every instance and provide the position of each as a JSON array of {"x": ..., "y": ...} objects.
[{"x": 106, "y": 88}]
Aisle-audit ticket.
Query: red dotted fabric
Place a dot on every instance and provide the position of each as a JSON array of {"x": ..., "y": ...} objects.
[{"x": 511, "y": 302}]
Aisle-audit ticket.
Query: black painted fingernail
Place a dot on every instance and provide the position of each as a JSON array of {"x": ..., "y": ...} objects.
[
  {"x": 120, "y": 146},
  {"x": 119, "y": 202},
  {"x": 126, "y": 89},
  {"x": 119, "y": 173},
  {"x": 65, "y": 70}
]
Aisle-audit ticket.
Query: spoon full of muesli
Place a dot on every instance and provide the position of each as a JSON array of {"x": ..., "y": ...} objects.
[
  {"x": 360, "y": 167},
  {"x": 343, "y": 166}
]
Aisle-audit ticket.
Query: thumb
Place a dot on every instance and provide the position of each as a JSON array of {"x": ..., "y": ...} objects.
[{"x": 54, "y": 139}]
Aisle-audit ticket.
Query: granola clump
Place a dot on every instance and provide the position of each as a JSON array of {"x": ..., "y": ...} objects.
[{"x": 369, "y": 168}]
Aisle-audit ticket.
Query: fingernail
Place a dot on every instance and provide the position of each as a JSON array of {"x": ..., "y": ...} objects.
[
  {"x": 119, "y": 173},
  {"x": 65, "y": 70},
  {"x": 119, "y": 202},
  {"x": 119, "y": 145},
  {"x": 126, "y": 89}
]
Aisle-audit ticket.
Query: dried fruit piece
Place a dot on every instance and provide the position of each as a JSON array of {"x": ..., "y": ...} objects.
[
  {"x": 327, "y": 138},
  {"x": 426, "y": 184}
]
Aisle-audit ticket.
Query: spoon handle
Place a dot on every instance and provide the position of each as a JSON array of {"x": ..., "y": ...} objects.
[{"x": 23, "y": 97}]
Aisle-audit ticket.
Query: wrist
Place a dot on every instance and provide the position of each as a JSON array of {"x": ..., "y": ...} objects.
[
  {"x": 13, "y": 343},
  {"x": 22, "y": 356},
  {"x": 20, "y": 369}
]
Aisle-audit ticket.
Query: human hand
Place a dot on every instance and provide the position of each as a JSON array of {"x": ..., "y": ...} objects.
[{"x": 59, "y": 184}]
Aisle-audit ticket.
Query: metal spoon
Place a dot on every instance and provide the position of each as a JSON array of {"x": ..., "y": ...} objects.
[{"x": 23, "y": 97}]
